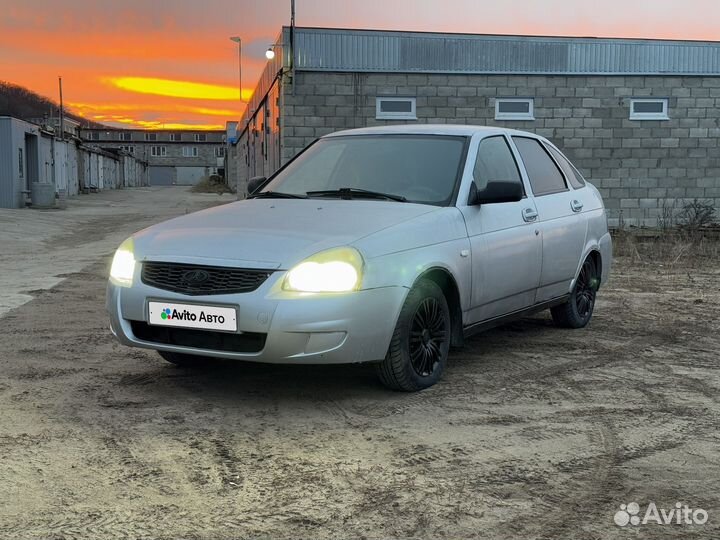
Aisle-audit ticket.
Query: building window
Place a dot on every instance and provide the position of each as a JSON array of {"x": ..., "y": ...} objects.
[
  {"x": 158, "y": 151},
  {"x": 94, "y": 136},
  {"x": 21, "y": 163},
  {"x": 514, "y": 109},
  {"x": 151, "y": 136},
  {"x": 175, "y": 137},
  {"x": 220, "y": 151},
  {"x": 200, "y": 137},
  {"x": 395, "y": 108},
  {"x": 124, "y": 136},
  {"x": 128, "y": 149},
  {"x": 190, "y": 151},
  {"x": 649, "y": 109}
]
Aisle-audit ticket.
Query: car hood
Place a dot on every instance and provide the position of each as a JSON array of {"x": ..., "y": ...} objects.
[{"x": 269, "y": 233}]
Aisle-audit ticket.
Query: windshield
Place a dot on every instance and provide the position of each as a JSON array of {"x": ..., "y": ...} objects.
[{"x": 421, "y": 168}]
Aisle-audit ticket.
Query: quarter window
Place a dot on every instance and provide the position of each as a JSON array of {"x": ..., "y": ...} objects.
[
  {"x": 494, "y": 162},
  {"x": 544, "y": 175},
  {"x": 514, "y": 109},
  {"x": 571, "y": 173}
]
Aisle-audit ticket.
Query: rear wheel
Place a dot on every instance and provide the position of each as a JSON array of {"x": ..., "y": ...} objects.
[
  {"x": 420, "y": 343},
  {"x": 187, "y": 360},
  {"x": 578, "y": 310}
]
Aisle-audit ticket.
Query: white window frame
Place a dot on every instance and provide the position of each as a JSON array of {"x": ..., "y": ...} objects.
[
  {"x": 649, "y": 116},
  {"x": 175, "y": 137},
  {"x": 220, "y": 151},
  {"x": 149, "y": 135},
  {"x": 124, "y": 136},
  {"x": 158, "y": 151},
  {"x": 385, "y": 115},
  {"x": 197, "y": 136},
  {"x": 190, "y": 151},
  {"x": 530, "y": 115},
  {"x": 128, "y": 149}
]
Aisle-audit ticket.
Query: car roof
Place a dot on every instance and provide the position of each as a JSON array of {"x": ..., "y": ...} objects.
[{"x": 428, "y": 129}]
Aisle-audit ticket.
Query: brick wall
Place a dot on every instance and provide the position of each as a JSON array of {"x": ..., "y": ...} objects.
[{"x": 641, "y": 167}]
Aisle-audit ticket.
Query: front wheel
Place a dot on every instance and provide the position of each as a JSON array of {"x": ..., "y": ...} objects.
[
  {"x": 420, "y": 344},
  {"x": 578, "y": 310}
]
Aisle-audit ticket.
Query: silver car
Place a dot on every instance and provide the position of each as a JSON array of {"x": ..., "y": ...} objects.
[{"x": 385, "y": 245}]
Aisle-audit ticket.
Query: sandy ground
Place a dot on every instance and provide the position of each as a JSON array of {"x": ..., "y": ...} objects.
[
  {"x": 40, "y": 247},
  {"x": 535, "y": 432}
]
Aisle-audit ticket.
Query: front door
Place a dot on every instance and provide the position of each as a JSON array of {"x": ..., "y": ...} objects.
[{"x": 504, "y": 239}]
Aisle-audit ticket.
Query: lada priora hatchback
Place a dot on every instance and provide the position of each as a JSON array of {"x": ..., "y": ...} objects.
[{"x": 387, "y": 245}]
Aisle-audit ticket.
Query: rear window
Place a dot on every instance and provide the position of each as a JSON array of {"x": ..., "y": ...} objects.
[{"x": 544, "y": 175}]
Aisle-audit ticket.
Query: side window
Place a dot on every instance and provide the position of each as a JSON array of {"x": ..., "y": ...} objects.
[
  {"x": 544, "y": 176},
  {"x": 571, "y": 173},
  {"x": 495, "y": 162}
]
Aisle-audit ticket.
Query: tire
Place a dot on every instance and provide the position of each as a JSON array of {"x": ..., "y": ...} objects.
[
  {"x": 578, "y": 310},
  {"x": 420, "y": 344},
  {"x": 187, "y": 360}
]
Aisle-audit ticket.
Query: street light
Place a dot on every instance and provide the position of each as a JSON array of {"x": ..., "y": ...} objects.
[
  {"x": 237, "y": 40},
  {"x": 270, "y": 54}
]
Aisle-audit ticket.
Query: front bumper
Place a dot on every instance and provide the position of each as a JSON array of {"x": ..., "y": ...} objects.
[{"x": 300, "y": 328}]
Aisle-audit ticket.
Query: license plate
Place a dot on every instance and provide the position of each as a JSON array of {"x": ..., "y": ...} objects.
[{"x": 193, "y": 316}]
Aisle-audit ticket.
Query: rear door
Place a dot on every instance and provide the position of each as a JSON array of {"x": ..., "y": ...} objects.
[
  {"x": 504, "y": 239},
  {"x": 561, "y": 224}
]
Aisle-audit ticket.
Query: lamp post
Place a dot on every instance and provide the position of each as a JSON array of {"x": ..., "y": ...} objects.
[{"x": 237, "y": 40}]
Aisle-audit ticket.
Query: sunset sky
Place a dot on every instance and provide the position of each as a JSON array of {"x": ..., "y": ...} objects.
[{"x": 155, "y": 63}]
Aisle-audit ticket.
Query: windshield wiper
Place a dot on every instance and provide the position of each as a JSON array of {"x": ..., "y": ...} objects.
[
  {"x": 351, "y": 193},
  {"x": 275, "y": 195}
]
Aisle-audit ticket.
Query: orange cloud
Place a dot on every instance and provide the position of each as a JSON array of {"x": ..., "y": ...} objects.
[
  {"x": 178, "y": 89},
  {"x": 84, "y": 109}
]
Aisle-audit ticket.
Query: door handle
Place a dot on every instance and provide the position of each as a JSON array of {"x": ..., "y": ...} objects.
[
  {"x": 529, "y": 214},
  {"x": 576, "y": 205}
]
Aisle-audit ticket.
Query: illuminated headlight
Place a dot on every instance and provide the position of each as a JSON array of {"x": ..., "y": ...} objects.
[
  {"x": 123, "y": 265},
  {"x": 335, "y": 270}
]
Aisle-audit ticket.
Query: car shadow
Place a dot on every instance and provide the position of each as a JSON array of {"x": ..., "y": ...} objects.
[{"x": 224, "y": 381}]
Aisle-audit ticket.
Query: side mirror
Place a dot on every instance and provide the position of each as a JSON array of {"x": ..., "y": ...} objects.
[
  {"x": 255, "y": 183},
  {"x": 496, "y": 191}
]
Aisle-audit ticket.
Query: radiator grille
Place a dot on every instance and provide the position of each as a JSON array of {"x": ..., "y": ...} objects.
[{"x": 198, "y": 280}]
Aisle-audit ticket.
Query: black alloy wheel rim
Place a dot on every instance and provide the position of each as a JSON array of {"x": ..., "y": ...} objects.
[
  {"x": 585, "y": 290},
  {"x": 428, "y": 335}
]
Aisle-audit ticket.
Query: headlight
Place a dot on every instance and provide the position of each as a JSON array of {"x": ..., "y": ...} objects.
[
  {"x": 123, "y": 265},
  {"x": 334, "y": 270}
]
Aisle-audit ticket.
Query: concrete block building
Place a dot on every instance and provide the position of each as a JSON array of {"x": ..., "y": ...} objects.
[
  {"x": 640, "y": 118},
  {"x": 174, "y": 157}
]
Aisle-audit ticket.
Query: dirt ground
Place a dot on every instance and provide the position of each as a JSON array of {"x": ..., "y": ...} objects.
[{"x": 534, "y": 432}]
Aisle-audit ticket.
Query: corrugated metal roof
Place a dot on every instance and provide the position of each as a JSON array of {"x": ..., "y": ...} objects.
[
  {"x": 325, "y": 49},
  {"x": 319, "y": 49}
]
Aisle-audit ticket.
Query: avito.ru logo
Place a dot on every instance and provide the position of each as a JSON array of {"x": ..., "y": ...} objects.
[{"x": 629, "y": 514}]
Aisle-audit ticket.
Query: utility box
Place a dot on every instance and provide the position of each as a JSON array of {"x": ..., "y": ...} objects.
[{"x": 42, "y": 195}]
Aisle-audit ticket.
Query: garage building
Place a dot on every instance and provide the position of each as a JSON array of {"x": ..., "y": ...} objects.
[
  {"x": 640, "y": 118},
  {"x": 175, "y": 157}
]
